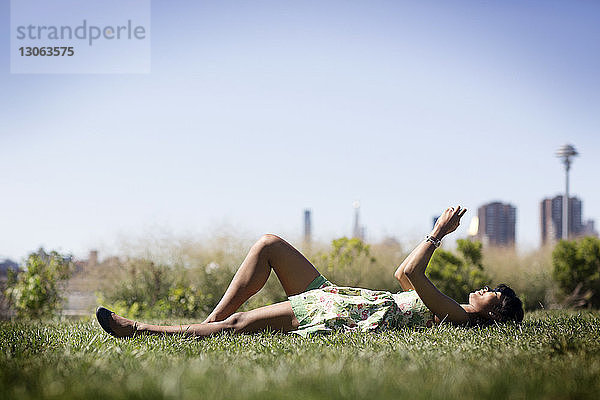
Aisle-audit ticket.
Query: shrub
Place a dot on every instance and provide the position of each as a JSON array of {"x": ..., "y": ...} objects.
[
  {"x": 349, "y": 262},
  {"x": 577, "y": 269},
  {"x": 152, "y": 290},
  {"x": 35, "y": 290},
  {"x": 456, "y": 275}
]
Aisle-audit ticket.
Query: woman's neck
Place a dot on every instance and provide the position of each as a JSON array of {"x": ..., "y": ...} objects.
[{"x": 469, "y": 308}]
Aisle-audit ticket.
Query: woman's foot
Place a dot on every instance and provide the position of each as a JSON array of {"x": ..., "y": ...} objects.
[{"x": 115, "y": 325}]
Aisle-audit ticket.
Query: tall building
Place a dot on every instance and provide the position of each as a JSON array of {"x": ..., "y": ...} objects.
[
  {"x": 307, "y": 226},
  {"x": 497, "y": 223},
  {"x": 589, "y": 229},
  {"x": 551, "y": 220},
  {"x": 358, "y": 231}
]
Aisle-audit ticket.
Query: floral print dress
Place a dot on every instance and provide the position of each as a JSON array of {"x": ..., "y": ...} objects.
[{"x": 328, "y": 308}]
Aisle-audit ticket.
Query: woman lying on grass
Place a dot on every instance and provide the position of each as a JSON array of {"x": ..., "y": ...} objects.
[{"x": 316, "y": 305}]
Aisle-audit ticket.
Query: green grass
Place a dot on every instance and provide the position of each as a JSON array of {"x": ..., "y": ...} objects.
[{"x": 551, "y": 355}]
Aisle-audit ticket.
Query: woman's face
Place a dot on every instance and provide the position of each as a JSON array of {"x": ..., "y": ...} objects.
[{"x": 484, "y": 300}]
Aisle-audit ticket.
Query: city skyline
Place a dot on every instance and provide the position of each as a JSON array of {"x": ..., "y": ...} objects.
[
  {"x": 495, "y": 224},
  {"x": 251, "y": 114}
]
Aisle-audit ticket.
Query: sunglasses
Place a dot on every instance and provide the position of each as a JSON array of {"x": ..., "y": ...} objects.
[{"x": 489, "y": 289}]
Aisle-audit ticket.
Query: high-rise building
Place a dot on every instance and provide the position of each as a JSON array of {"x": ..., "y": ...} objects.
[
  {"x": 307, "y": 226},
  {"x": 551, "y": 220},
  {"x": 497, "y": 223},
  {"x": 589, "y": 229},
  {"x": 358, "y": 231}
]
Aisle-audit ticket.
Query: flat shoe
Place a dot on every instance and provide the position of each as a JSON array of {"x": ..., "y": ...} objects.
[{"x": 104, "y": 316}]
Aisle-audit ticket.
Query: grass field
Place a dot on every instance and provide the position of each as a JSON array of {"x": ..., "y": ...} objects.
[{"x": 552, "y": 355}]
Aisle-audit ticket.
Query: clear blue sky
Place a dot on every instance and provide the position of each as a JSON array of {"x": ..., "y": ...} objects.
[{"x": 254, "y": 111}]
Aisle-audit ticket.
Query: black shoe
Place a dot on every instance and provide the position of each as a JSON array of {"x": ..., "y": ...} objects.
[
  {"x": 104, "y": 316},
  {"x": 121, "y": 327}
]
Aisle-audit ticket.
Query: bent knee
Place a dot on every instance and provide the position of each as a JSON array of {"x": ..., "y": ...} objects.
[{"x": 269, "y": 240}]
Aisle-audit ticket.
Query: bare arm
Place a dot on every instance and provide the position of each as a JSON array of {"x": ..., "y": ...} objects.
[{"x": 413, "y": 269}]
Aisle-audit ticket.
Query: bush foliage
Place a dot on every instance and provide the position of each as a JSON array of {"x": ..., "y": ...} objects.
[
  {"x": 577, "y": 269},
  {"x": 348, "y": 262},
  {"x": 35, "y": 290},
  {"x": 154, "y": 290}
]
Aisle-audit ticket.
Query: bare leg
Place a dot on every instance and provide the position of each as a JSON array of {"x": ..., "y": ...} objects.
[
  {"x": 277, "y": 317},
  {"x": 294, "y": 271}
]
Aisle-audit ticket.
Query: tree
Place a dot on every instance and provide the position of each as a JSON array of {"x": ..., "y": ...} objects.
[
  {"x": 577, "y": 269},
  {"x": 35, "y": 290}
]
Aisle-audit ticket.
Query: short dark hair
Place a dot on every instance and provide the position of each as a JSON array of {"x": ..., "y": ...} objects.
[{"x": 511, "y": 307}]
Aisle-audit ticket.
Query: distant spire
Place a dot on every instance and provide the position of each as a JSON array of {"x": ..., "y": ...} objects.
[
  {"x": 565, "y": 153},
  {"x": 307, "y": 226},
  {"x": 358, "y": 231}
]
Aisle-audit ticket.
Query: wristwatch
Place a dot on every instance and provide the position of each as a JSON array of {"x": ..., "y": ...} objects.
[{"x": 435, "y": 241}]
